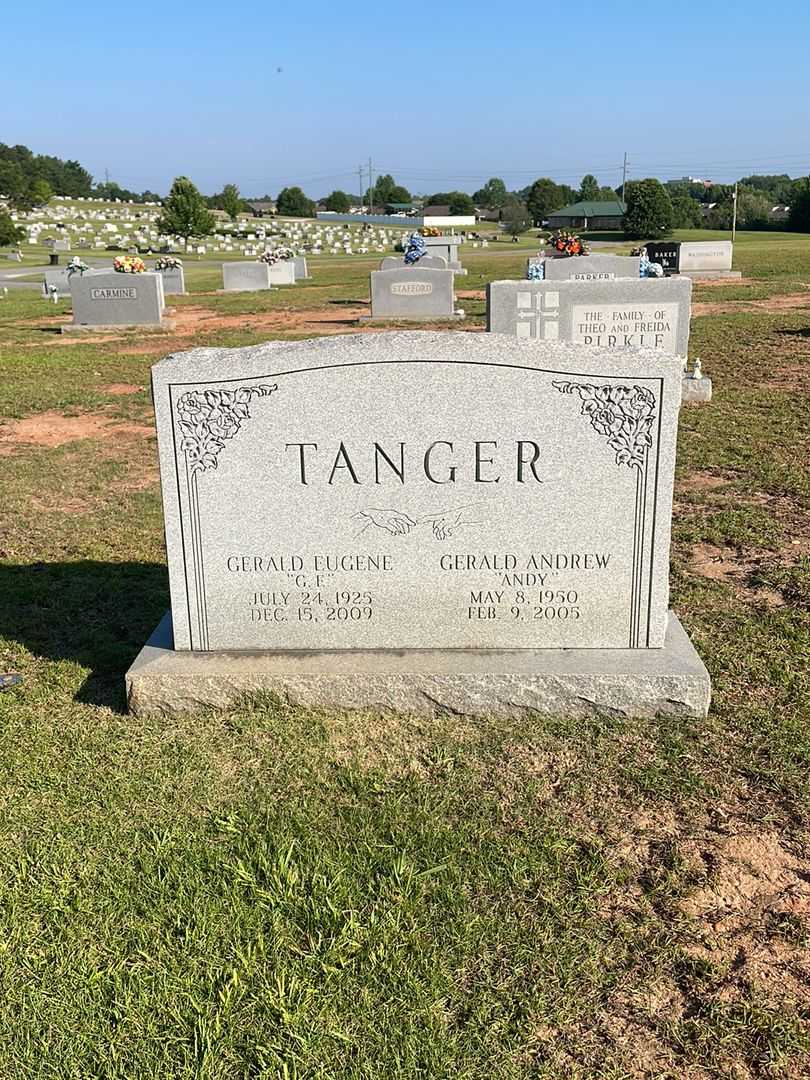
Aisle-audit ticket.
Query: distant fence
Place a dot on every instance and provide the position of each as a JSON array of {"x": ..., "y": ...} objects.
[{"x": 371, "y": 219}]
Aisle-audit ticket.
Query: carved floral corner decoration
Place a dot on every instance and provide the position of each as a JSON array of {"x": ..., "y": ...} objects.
[
  {"x": 207, "y": 418},
  {"x": 624, "y": 413}
]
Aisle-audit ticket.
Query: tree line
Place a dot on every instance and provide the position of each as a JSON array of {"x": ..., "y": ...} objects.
[{"x": 28, "y": 179}]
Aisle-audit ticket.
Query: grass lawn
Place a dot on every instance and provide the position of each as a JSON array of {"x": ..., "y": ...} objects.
[{"x": 279, "y": 893}]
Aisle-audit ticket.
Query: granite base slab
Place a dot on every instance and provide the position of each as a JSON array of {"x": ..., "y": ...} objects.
[
  {"x": 563, "y": 682},
  {"x": 410, "y": 318},
  {"x": 709, "y": 275},
  {"x": 696, "y": 391},
  {"x": 86, "y": 328}
]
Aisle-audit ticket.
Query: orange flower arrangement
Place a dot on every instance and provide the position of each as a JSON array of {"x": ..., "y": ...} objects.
[{"x": 568, "y": 244}]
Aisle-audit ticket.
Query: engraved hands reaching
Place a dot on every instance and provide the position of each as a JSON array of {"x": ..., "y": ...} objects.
[
  {"x": 447, "y": 522},
  {"x": 393, "y": 521},
  {"x": 396, "y": 522}
]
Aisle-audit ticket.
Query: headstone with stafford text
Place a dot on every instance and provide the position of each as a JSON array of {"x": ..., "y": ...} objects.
[
  {"x": 412, "y": 292},
  {"x": 625, "y": 312},
  {"x": 419, "y": 521},
  {"x": 109, "y": 298}
]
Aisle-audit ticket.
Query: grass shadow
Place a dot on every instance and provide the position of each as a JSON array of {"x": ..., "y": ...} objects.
[
  {"x": 803, "y": 332},
  {"x": 96, "y": 614}
]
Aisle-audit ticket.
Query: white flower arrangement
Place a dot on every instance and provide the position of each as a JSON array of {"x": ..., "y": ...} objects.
[
  {"x": 168, "y": 262},
  {"x": 76, "y": 266}
]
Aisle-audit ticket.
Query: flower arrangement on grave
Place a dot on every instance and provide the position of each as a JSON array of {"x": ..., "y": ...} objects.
[
  {"x": 76, "y": 266},
  {"x": 645, "y": 267},
  {"x": 284, "y": 253},
  {"x": 129, "y": 264},
  {"x": 566, "y": 243},
  {"x": 430, "y": 230},
  {"x": 536, "y": 272},
  {"x": 414, "y": 249},
  {"x": 168, "y": 262},
  {"x": 268, "y": 257}
]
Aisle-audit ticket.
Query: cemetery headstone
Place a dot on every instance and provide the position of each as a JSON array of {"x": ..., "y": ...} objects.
[
  {"x": 301, "y": 270},
  {"x": 433, "y": 262},
  {"x": 447, "y": 247},
  {"x": 625, "y": 312},
  {"x": 591, "y": 267},
  {"x": 174, "y": 281},
  {"x": 412, "y": 292},
  {"x": 104, "y": 298},
  {"x": 245, "y": 276},
  {"x": 704, "y": 258},
  {"x": 421, "y": 522}
]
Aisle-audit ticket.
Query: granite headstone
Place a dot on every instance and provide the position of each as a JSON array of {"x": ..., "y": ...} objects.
[
  {"x": 109, "y": 298},
  {"x": 626, "y": 312},
  {"x": 412, "y": 292},
  {"x": 420, "y": 521},
  {"x": 592, "y": 267}
]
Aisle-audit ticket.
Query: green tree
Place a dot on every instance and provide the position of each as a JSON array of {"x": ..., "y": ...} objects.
[
  {"x": 13, "y": 180},
  {"x": 606, "y": 194},
  {"x": 184, "y": 211},
  {"x": 231, "y": 201},
  {"x": 9, "y": 232},
  {"x": 516, "y": 218},
  {"x": 292, "y": 202},
  {"x": 386, "y": 191},
  {"x": 648, "y": 213},
  {"x": 40, "y": 192},
  {"x": 492, "y": 195},
  {"x": 543, "y": 197},
  {"x": 338, "y": 202},
  {"x": 799, "y": 218},
  {"x": 589, "y": 188},
  {"x": 461, "y": 203},
  {"x": 776, "y": 187},
  {"x": 753, "y": 209},
  {"x": 686, "y": 212}
]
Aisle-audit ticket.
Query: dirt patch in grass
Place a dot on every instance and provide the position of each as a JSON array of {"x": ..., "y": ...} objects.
[
  {"x": 787, "y": 302},
  {"x": 194, "y": 322},
  {"x": 752, "y": 907},
  {"x": 52, "y": 429},
  {"x": 701, "y": 480},
  {"x": 121, "y": 389}
]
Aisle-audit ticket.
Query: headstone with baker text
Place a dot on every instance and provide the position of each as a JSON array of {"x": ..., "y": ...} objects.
[{"x": 420, "y": 521}]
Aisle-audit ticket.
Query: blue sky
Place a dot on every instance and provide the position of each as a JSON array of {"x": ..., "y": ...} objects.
[{"x": 442, "y": 96}]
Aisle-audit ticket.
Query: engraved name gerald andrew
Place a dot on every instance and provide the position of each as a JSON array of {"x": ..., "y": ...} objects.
[{"x": 417, "y": 504}]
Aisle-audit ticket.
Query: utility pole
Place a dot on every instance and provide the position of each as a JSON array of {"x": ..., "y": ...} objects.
[
  {"x": 106, "y": 176},
  {"x": 370, "y": 189},
  {"x": 624, "y": 174},
  {"x": 734, "y": 215},
  {"x": 362, "y": 200}
]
